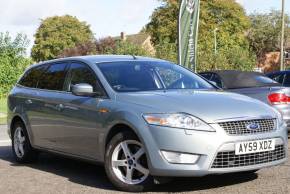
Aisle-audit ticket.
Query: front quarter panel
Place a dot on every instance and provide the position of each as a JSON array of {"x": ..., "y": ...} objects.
[{"x": 126, "y": 114}]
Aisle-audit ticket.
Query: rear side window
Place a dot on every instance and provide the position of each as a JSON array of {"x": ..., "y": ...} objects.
[
  {"x": 206, "y": 75},
  {"x": 277, "y": 77},
  {"x": 32, "y": 76},
  {"x": 287, "y": 80},
  {"x": 54, "y": 77},
  {"x": 215, "y": 78},
  {"x": 82, "y": 74}
]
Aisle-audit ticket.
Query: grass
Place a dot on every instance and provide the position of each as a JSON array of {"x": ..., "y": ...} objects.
[{"x": 3, "y": 110}]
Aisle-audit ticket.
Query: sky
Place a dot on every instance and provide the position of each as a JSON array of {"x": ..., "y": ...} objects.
[
  {"x": 106, "y": 17},
  {"x": 263, "y": 5}
]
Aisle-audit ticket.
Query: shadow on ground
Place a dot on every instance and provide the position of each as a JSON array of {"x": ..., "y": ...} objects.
[{"x": 94, "y": 176}]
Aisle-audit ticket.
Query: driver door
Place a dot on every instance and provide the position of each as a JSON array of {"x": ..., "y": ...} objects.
[{"x": 79, "y": 134}]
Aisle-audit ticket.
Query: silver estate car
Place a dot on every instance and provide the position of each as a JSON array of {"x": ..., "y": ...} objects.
[{"x": 144, "y": 119}]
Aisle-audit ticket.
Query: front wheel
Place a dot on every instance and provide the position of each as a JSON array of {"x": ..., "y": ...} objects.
[{"x": 126, "y": 163}]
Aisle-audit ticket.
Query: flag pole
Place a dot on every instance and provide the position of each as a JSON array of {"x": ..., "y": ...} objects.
[{"x": 282, "y": 37}]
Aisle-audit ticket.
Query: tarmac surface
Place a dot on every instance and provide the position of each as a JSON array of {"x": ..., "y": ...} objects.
[{"x": 53, "y": 174}]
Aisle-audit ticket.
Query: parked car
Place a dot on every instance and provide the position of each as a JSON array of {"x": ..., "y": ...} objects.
[
  {"x": 282, "y": 77},
  {"x": 144, "y": 119},
  {"x": 255, "y": 85}
]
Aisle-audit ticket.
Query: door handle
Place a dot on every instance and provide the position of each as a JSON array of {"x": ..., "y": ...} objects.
[
  {"x": 60, "y": 107},
  {"x": 28, "y": 101}
]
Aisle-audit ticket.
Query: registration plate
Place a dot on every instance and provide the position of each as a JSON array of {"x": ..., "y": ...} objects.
[{"x": 254, "y": 146}]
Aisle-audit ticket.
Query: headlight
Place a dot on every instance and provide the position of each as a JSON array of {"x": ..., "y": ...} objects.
[
  {"x": 178, "y": 120},
  {"x": 280, "y": 120}
]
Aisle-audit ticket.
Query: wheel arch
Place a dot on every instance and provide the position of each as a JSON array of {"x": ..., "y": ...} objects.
[
  {"x": 118, "y": 128},
  {"x": 19, "y": 118}
]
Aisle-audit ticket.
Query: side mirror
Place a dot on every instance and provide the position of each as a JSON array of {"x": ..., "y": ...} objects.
[{"x": 83, "y": 90}]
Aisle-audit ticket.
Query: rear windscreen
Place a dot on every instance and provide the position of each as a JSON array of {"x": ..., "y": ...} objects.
[{"x": 247, "y": 80}]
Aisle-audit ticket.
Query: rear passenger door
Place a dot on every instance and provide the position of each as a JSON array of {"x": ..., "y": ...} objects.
[
  {"x": 48, "y": 119},
  {"x": 30, "y": 101}
]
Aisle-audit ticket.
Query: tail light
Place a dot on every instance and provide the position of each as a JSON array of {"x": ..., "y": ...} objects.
[{"x": 278, "y": 98}]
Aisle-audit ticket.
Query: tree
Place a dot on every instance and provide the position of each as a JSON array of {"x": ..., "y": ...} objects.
[
  {"x": 127, "y": 48},
  {"x": 105, "y": 46},
  {"x": 265, "y": 32},
  {"x": 82, "y": 49},
  {"x": 167, "y": 51},
  {"x": 226, "y": 15},
  {"x": 12, "y": 60},
  {"x": 163, "y": 23},
  {"x": 58, "y": 33}
]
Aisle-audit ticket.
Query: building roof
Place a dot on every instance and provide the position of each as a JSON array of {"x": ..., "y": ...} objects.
[{"x": 137, "y": 39}]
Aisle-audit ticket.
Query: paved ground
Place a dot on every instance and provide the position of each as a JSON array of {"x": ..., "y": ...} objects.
[{"x": 52, "y": 174}]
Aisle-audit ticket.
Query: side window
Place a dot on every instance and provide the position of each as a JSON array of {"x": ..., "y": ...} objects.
[
  {"x": 81, "y": 74},
  {"x": 206, "y": 75},
  {"x": 278, "y": 78},
  {"x": 54, "y": 77},
  {"x": 287, "y": 80},
  {"x": 32, "y": 76},
  {"x": 215, "y": 78}
]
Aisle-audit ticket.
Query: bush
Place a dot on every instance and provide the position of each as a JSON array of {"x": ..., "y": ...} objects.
[{"x": 12, "y": 60}]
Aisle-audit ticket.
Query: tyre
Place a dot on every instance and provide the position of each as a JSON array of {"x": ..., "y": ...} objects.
[
  {"x": 21, "y": 147},
  {"x": 126, "y": 163},
  {"x": 245, "y": 173},
  {"x": 249, "y": 172}
]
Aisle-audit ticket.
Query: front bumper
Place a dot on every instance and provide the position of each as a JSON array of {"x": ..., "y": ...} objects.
[{"x": 205, "y": 144}]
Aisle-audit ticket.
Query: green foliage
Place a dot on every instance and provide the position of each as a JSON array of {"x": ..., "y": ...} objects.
[
  {"x": 265, "y": 32},
  {"x": 226, "y": 15},
  {"x": 127, "y": 48},
  {"x": 106, "y": 46},
  {"x": 3, "y": 105},
  {"x": 167, "y": 51},
  {"x": 163, "y": 24},
  {"x": 12, "y": 60},
  {"x": 58, "y": 33},
  {"x": 87, "y": 48}
]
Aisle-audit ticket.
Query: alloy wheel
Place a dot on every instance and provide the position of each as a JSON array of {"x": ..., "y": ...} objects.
[
  {"x": 129, "y": 162},
  {"x": 19, "y": 141}
]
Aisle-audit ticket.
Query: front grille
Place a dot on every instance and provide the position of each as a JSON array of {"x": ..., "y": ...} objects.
[
  {"x": 240, "y": 127},
  {"x": 229, "y": 159}
]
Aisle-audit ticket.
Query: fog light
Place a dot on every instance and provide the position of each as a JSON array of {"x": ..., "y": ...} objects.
[{"x": 180, "y": 158}]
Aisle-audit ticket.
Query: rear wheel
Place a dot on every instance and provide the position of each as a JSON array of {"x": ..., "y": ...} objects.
[
  {"x": 126, "y": 163},
  {"x": 21, "y": 147}
]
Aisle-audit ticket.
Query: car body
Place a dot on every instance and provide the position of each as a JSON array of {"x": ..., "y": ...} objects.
[
  {"x": 255, "y": 85},
  {"x": 282, "y": 77},
  {"x": 143, "y": 118}
]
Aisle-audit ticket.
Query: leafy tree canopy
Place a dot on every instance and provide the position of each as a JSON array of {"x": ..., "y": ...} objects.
[
  {"x": 58, "y": 33},
  {"x": 265, "y": 32},
  {"x": 106, "y": 46},
  {"x": 12, "y": 60},
  {"x": 226, "y": 15}
]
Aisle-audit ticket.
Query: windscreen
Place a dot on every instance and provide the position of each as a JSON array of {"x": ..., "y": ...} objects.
[
  {"x": 130, "y": 76},
  {"x": 235, "y": 80}
]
